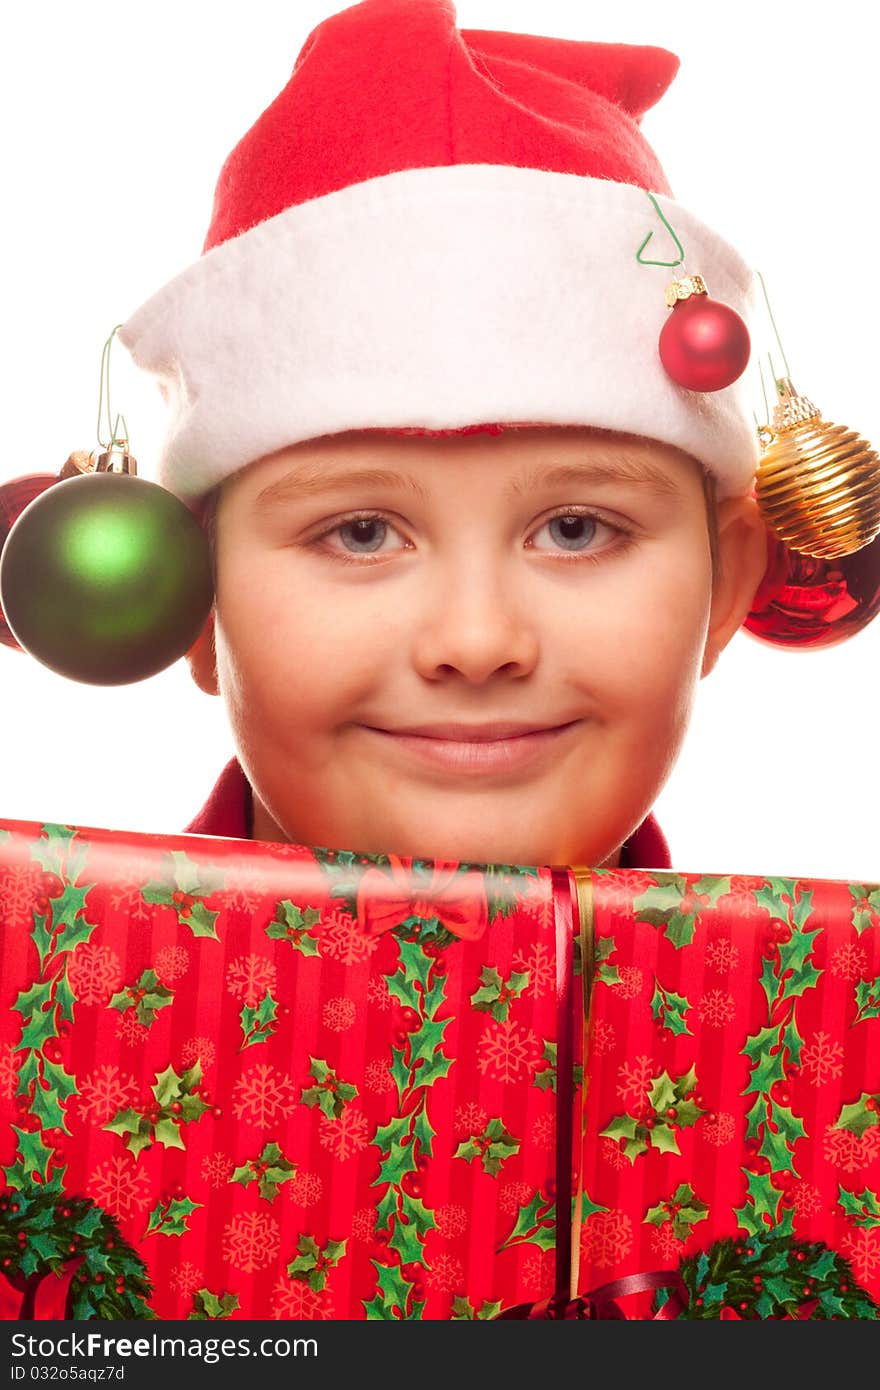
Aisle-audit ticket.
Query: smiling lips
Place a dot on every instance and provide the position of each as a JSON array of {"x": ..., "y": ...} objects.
[{"x": 476, "y": 748}]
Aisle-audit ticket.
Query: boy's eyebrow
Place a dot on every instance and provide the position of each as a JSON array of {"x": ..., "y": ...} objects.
[{"x": 307, "y": 482}]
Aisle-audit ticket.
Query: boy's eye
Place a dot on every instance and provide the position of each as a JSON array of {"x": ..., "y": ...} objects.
[
  {"x": 571, "y": 531},
  {"x": 367, "y": 533}
]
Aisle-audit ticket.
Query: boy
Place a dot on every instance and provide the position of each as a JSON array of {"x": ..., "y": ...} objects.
[{"x": 437, "y": 634}]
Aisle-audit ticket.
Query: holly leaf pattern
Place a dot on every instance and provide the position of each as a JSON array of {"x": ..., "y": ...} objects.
[
  {"x": 269, "y": 1170},
  {"x": 258, "y": 1023},
  {"x": 867, "y": 1000},
  {"x": 495, "y": 994},
  {"x": 683, "y": 1208},
  {"x": 312, "y": 1262},
  {"x": 861, "y": 1115},
  {"x": 208, "y": 1305},
  {"x": 669, "y": 1009},
  {"x": 491, "y": 1147},
  {"x": 146, "y": 996},
  {"x": 390, "y": 1303},
  {"x": 464, "y": 1310},
  {"x": 328, "y": 1092},
  {"x": 866, "y": 906},
  {"x": 293, "y": 924},
  {"x": 862, "y": 1209},
  {"x": 170, "y": 1218}
]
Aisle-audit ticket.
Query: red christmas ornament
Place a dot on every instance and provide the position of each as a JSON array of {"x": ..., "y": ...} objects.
[
  {"x": 14, "y": 497},
  {"x": 704, "y": 345},
  {"x": 804, "y": 601}
]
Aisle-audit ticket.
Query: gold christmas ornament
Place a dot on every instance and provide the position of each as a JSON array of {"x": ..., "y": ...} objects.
[{"x": 817, "y": 484}]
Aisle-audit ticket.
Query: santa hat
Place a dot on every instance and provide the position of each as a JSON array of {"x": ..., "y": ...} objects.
[{"x": 430, "y": 229}]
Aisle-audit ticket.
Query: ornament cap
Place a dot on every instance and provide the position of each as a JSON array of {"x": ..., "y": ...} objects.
[
  {"x": 791, "y": 409},
  {"x": 683, "y": 289}
]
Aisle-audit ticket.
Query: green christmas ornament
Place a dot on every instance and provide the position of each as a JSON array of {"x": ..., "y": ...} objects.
[{"x": 106, "y": 578}]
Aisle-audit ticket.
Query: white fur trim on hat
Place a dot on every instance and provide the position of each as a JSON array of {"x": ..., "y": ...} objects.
[{"x": 438, "y": 297}]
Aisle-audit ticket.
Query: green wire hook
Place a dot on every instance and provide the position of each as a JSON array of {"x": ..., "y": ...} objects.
[
  {"x": 115, "y": 438},
  {"x": 669, "y": 264}
]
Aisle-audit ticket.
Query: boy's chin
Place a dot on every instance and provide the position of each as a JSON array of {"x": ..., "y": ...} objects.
[{"x": 486, "y": 845}]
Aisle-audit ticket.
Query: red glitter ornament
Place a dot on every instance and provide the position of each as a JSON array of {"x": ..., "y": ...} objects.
[
  {"x": 704, "y": 344},
  {"x": 803, "y": 601}
]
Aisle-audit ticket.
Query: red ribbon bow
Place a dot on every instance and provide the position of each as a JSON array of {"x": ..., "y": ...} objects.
[{"x": 456, "y": 899}]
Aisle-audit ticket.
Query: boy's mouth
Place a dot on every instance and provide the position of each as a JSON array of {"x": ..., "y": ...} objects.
[{"x": 475, "y": 748}]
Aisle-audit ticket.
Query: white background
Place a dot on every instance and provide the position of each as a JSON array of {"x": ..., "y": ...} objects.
[{"x": 116, "y": 120}]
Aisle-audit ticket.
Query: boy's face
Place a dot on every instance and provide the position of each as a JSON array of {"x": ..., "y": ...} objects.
[{"x": 473, "y": 647}]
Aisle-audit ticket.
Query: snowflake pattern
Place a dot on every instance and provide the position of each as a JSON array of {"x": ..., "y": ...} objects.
[
  {"x": 633, "y": 1081},
  {"x": 862, "y": 1246},
  {"x": 537, "y": 902},
  {"x": 540, "y": 962},
  {"x": 305, "y": 1188},
  {"x": 339, "y": 1014},
  {"x": 514, "y": 1195},
  {"x": 717, "y": 1008},
  {"x": 377, "y": 1076},
  {"x": 805, "y": 1199},
  {"x": 106, "y": 1091},
  {"x": 129, "y": 899},
  {"x": 446, "y": 1273},
  {"x": 722, "y": 956},
  {"x": 262, "y": 1095},
  {"x": 619, "y": 891},
  {"x": 363, "y": 1224},
  {"x": 378, "y": 992},
  {"x": 18, "y": 889},
  {"x": 664, "y": 1243},
  {"x": 186, "y": 1278},
  {"x": 543, "y": 1132},
  {"x": 507, "y": 1051},
  {"x": 119, "y": 1186},
  {"x": 452, "y": 1221},
  {"x": 630, "y": 983},
  {"x": 606, "y": 1237},
  {"x": 718, "y": 1130},
  {"x": 248, "y": 978},
  {"x": 603, "y": 1037},
  {"x": 344, "y": 1135},
  {"x": 613, "y": 1154},
  {"x": 171, "y": 964},
  {"x": 246, "y": 898},
  {"x": 849, "y": 961},
  {"x": 293, "y": 1300},
  {"x": 342, "y": 939},
  {"x": 217, "y": 1169},
  {"x": 129, "y": 1030},
  {"x": 822, "y": 1059},
  {"x": 849, "y": 1151},
  {"x": 251, "y": 1241},
  {"x": 200, "y": 1050},
  {"x": 470, "y": 1118},
  {"x": 538, "y": 1272},
  {"x": 93, "y": 973},
  {"x": 10, "y": 1061}
]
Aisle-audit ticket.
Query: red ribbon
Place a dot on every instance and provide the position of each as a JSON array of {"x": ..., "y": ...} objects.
[
  {"x": 44, "y": 1297},
  {"x": 456, "y": 899},
  {"x": 602, "y": 1304}
]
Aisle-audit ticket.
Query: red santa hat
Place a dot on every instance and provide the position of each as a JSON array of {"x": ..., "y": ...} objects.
[{"x": 430, "y": 229}]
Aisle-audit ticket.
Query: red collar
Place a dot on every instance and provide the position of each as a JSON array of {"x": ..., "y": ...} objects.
[{"x": 228, "y": 812}]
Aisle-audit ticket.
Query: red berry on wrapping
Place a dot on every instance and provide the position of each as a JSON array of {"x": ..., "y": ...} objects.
[
  {"x": 704, "y": 344},
  {"x": 176, "y": 1107},
  {"x": 671, "y": 1112},
  {"x": 871, "y": 1103}
]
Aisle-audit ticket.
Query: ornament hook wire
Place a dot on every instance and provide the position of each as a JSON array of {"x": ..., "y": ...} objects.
[
  {"x": 116, "y": 441},
  {"x": 669, "y": 264}
]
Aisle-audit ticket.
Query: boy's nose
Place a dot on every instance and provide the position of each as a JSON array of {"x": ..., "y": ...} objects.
[{"x": 475, "y": 628}]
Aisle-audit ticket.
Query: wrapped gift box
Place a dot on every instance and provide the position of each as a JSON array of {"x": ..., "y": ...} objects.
[{"x": 242, "y": 1080}]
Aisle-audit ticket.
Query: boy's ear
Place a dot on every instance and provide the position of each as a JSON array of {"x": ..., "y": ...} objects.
[
  {"x": 202, "y": 659},
  {"x": 742, "y": 561}
]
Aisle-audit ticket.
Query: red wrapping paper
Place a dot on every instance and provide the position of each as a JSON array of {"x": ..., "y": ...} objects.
[{"x": 244, "y": 1081}]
